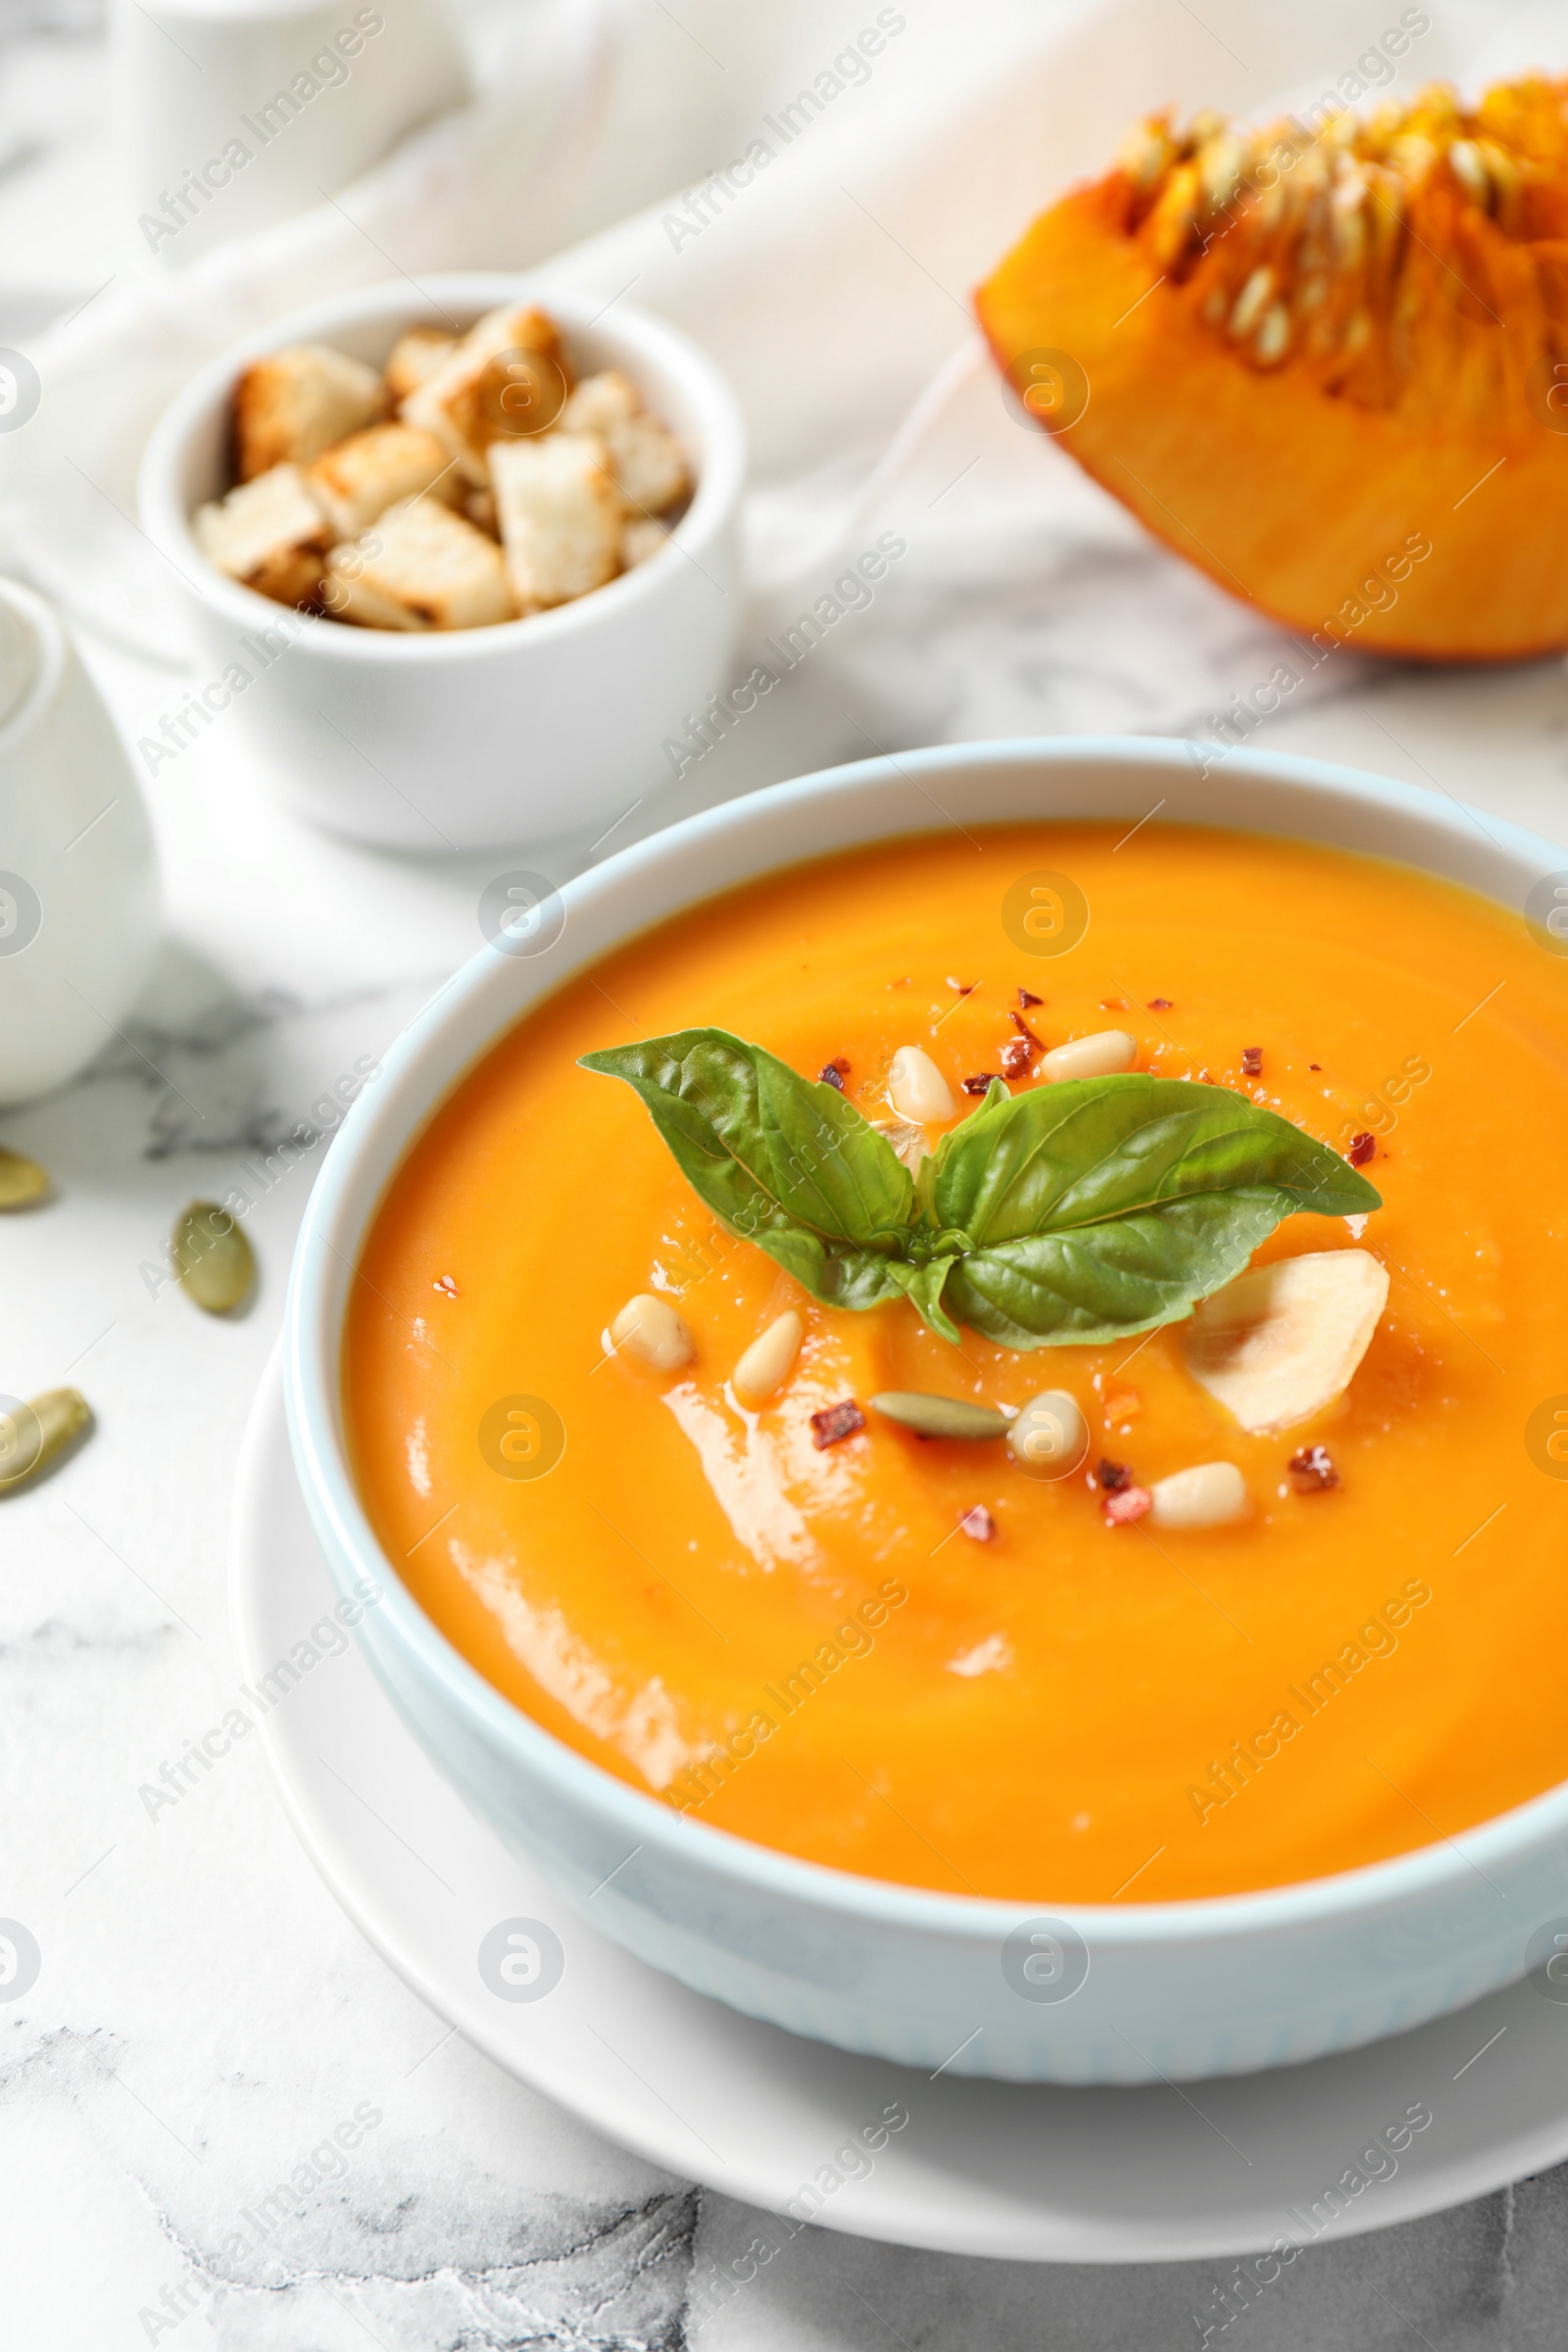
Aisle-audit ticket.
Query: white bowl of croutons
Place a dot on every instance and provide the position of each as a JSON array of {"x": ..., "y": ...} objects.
[{"x": 462, "y": 558}]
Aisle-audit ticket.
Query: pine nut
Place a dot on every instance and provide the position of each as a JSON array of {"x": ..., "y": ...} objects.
[
  {"x": 650, "y": 1329},
  {"x": 768, "y": 1360},
  {"x": 918, "y": 1089},
  {"x": 1049, "y": 1436},
  {"x": 1097, "y": 1056},
  {"x": 1210, "y": 1495}
]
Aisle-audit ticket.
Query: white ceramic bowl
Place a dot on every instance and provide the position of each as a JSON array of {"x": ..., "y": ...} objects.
[
  {"x": 468, "y": 739},
  {"x": 1179, "y": 1989}
]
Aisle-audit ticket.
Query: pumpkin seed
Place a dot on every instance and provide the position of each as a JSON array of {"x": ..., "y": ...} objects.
[
  {"x": 1144, "y": 153},
  {"x": 32, "y": 1434},
  {"x": 22, "y": 1180},
  {"x": 939, "y": 1416},
  {"x": 212, "y": 1257},
  {"x": 1469, "y": 170},
  {"x": 1253, "y": 300},
  {"x": 1273, "y": 337}
]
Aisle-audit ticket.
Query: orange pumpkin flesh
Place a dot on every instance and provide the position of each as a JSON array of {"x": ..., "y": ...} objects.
[{"x": 1330, "y": 370}]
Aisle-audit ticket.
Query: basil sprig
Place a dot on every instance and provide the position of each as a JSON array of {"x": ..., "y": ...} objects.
[{"x": 1063, "y": 1216}]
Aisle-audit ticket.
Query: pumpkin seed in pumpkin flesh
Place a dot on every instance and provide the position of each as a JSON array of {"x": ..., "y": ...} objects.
[{"x": 212, "y": 1257}]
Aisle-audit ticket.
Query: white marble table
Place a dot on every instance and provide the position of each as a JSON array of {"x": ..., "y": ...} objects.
[{"x": 205, "y": 2019}]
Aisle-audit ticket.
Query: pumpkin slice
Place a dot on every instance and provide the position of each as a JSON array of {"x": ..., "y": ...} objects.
[
  {"x": 1329, "y": 367},
  {"x": 1283, "y": 1340}
]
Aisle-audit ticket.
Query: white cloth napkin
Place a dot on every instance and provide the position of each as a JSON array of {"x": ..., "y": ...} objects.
[{"x": 833, "y": 286}]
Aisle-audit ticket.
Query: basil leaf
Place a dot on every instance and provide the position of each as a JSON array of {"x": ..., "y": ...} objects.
[
  {"x": 836, "y": 1272},
  {"x": 781, "y": 1160},
  {"x": 1070, "y": 1214},
  {"x": 831, "y": 1169},
  {"x": 923, "y": 1286},
  {"x": 1103, "y": 1282},
  {"x": 1089, "y": 1149}
]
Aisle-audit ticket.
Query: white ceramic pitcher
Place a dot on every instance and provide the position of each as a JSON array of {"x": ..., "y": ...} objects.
[{"x": 78, "y": 876}]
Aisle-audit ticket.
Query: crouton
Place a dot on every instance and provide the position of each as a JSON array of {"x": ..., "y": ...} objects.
[
  {"x": 358, "y": 479},
  {"x": 269, "y": 534},
  {"x": 507, "y": 375},
  {"x": 650, "y": 465},
  {"x": 415, "y": 356},
  {"x": 516, "y": 395},
  {"x": 479, "y": 505},
  {"x": 641, "y": 537},
  {"x": 560, "y": 516},
  {"x": 420, "y": 566},
  {"x": 292, "y": 405}
]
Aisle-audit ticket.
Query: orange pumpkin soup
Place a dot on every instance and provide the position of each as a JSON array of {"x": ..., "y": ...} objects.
[{"x": 904, "y": 1655}]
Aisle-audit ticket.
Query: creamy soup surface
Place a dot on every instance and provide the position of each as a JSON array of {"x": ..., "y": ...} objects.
[{"x": 801, "y": 1643}]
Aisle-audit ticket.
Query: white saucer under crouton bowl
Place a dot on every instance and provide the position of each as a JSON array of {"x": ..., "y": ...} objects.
[{"x": 436, "y": 720}]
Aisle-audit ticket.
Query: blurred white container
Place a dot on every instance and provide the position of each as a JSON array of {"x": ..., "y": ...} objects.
[
  {"x": 233, "y": 113},
  {"x": 79, "y": 878}
]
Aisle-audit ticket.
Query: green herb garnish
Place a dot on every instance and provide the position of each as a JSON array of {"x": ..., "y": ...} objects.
[{"x": 1064, "y": 1215}]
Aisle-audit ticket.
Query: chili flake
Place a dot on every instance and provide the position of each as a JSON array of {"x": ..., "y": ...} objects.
[
  {"x": 965, "y": 988},
  {"x": 1026, "y": 998},
  {"x": 1017, "y": 1058},
  {"x": 1362, "y": 1147},
  {"x": 1251, "y": 1060},
  {"x": 446, "y": 1283},
  {"x": 979, "y": 1524},
  {"x": 1127, "y": 1504},
  {"x": 836, "y": 1421},
  {"x": 981, "y": 1082},
  {"x": 1023, "y": 1029},
  {"x": 1159, "y": 1003},
  {"x": 1313, "y": 1470},
  {"x": 834, "y": 1072},
  {"x": 1113, "y": 1476}
]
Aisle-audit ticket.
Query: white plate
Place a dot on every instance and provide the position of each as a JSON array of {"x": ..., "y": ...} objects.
[{"x": 1034, "y": 2172}]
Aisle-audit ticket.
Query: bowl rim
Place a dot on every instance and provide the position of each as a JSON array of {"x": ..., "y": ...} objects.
[
  {"x": 311, "y": 1356},
  {"x": 161, "y": 505}
]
